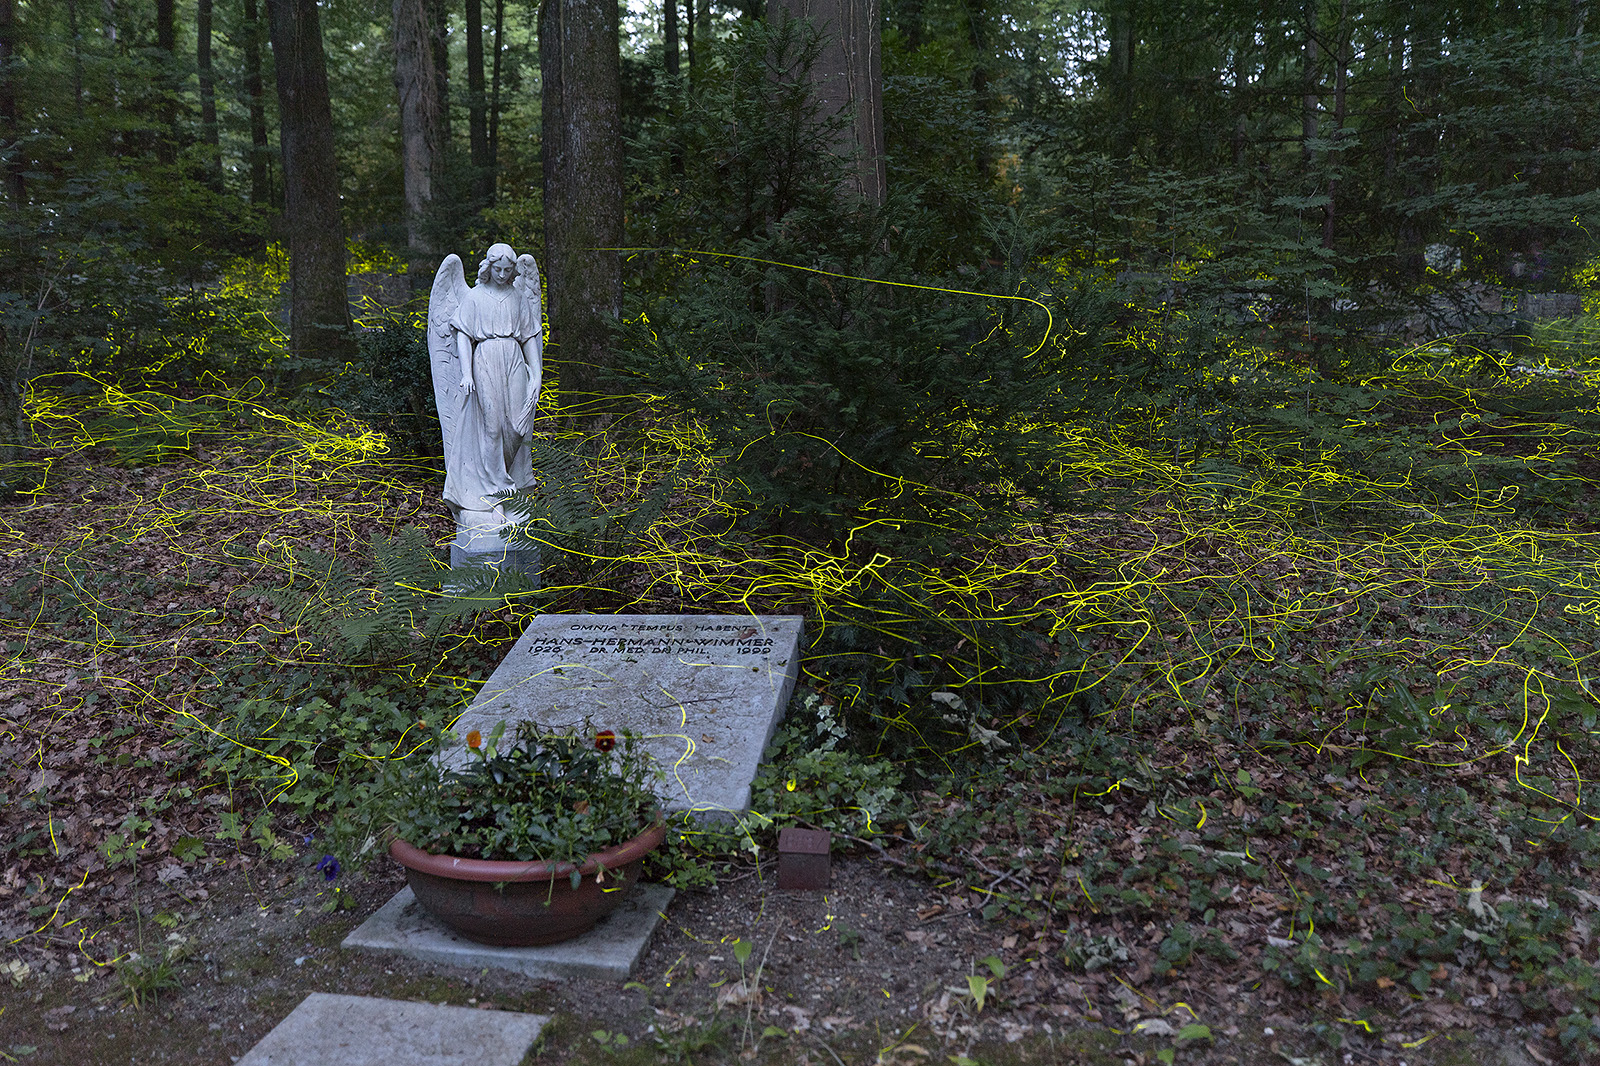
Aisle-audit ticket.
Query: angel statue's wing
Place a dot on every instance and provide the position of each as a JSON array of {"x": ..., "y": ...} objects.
[
  {"x": 449, "y": 289},
  {"x": 527, "y": 284}
]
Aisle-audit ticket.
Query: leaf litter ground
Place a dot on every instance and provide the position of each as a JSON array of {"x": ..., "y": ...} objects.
[{"x": 1334, "y": 791}]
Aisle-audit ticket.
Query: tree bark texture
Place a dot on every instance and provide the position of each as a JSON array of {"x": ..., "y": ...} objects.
[
  {"x": 978, "y": 33},
  {"x": 1341, "y": 90},
  {"x": 255, "y": 96},
  {"x": 439, "y": 19},
  {"x": 688, "y": 30},
  {"x": 909, "y": 17},
  {"x": 477, "y": 108},
  {"x": 208, "y": 94},
  {"x": 1123, "y": 43},
  {"x": 16, "y": 371},
  {"x": 669, "y": 35},
  {"x": 167, "y": 108},
  {"x": 319, "y": 311},
  {"x": 1309, "y": 83},
  {"x": 580, "y": 65},
  {"x": 1241, "y": 109},
  {"x": 10, "y": 136},
  {"x": 848, "y": 77},
  {"x": 77, "y": 58},
  {"x": 15, "y": 350},
  {"x": 494, "y": 83},
  {"x": 420, "y": 132},
  {"x": 1420, "y": 177}
]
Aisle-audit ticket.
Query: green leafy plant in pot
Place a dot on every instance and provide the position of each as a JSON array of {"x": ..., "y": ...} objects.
[{"x": 530, "y": 843}]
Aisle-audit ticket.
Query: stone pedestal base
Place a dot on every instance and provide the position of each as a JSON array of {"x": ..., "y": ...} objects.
[
  {"x": 522, "y": 560},
  {"x": 484, "y": 545}
]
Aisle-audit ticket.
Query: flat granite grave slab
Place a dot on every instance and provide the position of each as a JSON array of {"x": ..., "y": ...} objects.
[
  {"x": 607, "y": 952},
  {"x": 705, "y": 690},
  {"x": 332, "y": 1030}
]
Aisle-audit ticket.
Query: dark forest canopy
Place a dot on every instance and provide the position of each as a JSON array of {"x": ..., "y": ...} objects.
[{"x": 1347, "y": 162}]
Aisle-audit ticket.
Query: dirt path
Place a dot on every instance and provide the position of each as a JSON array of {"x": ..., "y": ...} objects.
[{"x": 865, "y": 973}]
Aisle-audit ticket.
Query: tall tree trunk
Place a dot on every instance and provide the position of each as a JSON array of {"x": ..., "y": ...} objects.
[
  {"x": 439, "y": 18},
  {"x": 978, "y": 38},
  {"x": 1241, "y": 108},
  {"x": 14, "y": 436},
  {"x": 166, "y": 26},
  {"x": 1393, "y": 114},
  {"x": 1420, "y": 167},
  {"x": 1121, "y": 60},
  {"x": 669, "y": 34},
  {"x": 109, "y": 32},
  {"x": 580, "y": 65},
  {"x": 77, "y": 58},
  {"x": 688, "y": 30},
  {"x": 260, "y": 152},
  {"x": 1326, "y": 354},
  {"x": 10, "y": 131},
  {"x": 1309, "y": 84},
  {"x": 208, "y": 94},
  {"x": 910, "y": 18},
  {"x": 1341, "y": 85},
  {"x": 167, "y": 82},
  {"x": 420, "y": 139},
  {"x": 494, "y": 85},
  {"x": 319, "y": 310},
  {"x": 477, "y": 108},
  {"x": 848, "y": 78},
  {"x": 702, "y": 25}
]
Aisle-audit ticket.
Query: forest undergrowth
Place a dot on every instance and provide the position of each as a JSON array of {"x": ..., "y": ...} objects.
[{"x": 1306, "y": 706}]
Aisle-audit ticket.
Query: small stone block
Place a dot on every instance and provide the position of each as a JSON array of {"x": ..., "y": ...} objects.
[
  {"x": 333, "y": 1030},
  {"x": 608, "y": 952},
  {"x": 803, "y": 862}
]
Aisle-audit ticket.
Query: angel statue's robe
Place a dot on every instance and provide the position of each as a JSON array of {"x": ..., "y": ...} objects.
[{"x": 491, "y": 436}]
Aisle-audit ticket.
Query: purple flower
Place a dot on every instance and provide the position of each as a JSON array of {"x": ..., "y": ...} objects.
[{"x": 328, "y": 866}]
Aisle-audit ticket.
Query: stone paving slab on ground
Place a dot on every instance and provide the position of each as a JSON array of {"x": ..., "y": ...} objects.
[
  {"x": 334, "y": 1030},
  {"x": 706, "y": 691},
  {"x": 608, "y": 952}
]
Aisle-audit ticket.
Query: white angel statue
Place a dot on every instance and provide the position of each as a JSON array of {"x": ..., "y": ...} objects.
[{"x": 487, "y": 351}]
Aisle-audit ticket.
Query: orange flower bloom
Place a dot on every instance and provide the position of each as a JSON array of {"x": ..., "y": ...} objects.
[{"x": 474, "y": 739}]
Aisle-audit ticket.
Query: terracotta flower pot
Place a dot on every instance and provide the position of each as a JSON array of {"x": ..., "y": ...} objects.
[{"x": 520, "y": 904}]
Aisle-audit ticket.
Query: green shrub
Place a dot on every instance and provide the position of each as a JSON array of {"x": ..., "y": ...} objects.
[
  {"x": 390, "y": 387},
  {"x": 843, "y": 392},
  {"x": 314, "y": 747},
  {"x": 810, "y": 775}
]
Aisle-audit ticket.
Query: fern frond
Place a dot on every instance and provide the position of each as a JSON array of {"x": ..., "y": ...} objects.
[{"x": 471, "y": 591}]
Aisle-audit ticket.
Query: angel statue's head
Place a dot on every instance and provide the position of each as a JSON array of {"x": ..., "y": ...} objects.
[{"x": 500, "y": 264}]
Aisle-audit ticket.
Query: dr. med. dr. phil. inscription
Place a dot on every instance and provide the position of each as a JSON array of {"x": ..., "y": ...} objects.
[{"x": 706, "y": 691}]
